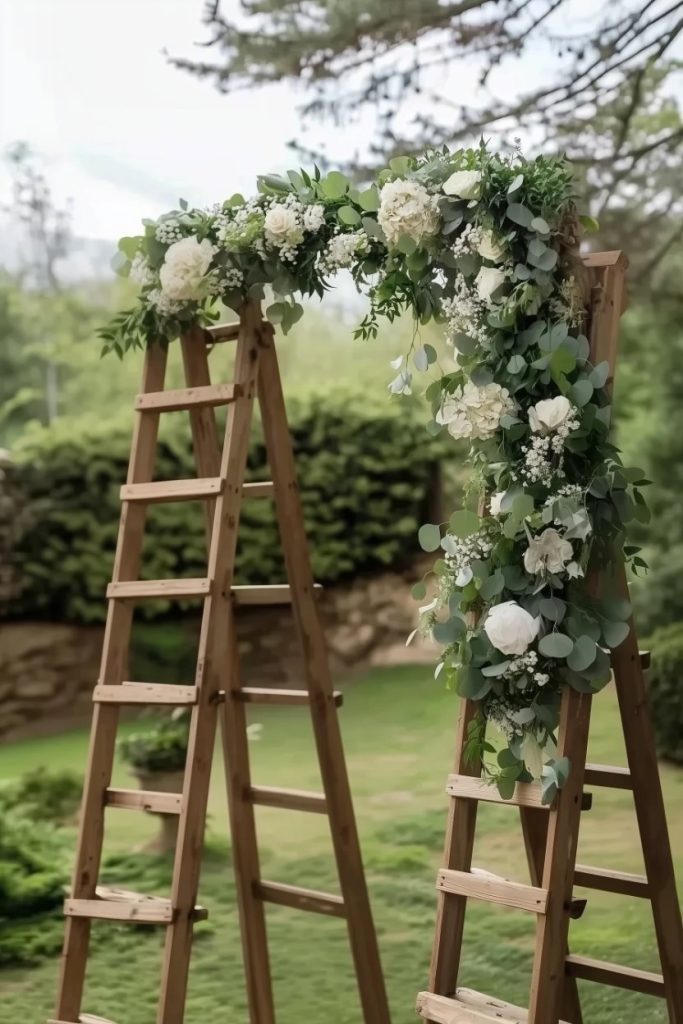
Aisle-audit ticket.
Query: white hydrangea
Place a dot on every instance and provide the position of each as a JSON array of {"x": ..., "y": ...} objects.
[
  {"x": 549, "y": 552},
  {"x": 183, "y": 275},
  {"x": 475, "y": 412},
  {"x": 314, "y": 217},
  {"x": 407, "y": 208},
  {"x": 141, "y": 272},
  {"x": 163, "y": 305}
]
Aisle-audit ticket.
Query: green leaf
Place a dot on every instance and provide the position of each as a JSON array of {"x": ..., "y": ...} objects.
[
  {"x": 492, "y": 586},
  {"x": 516, "y": 364},
  {"x": 449, "y": 632},
  {"x": 419, "y": 591},
  {"x": 516, "y": 184},
  {"x": 583, "y": 654},
  {"x": 522, "y": 507},
  {"x": 276, "y": 312},
  {"x": 561, "y": 362},
  {"x": 429, "y": 537},
  {"x": 130, "y": 244},
  {"x": 581, "y": 393},
  {"x": 519, "y": 214},
  {"x": 369, "y": 199},
  {"x": 491, "y": 671},
  {"x": 599, "y": 374},
  {"x": 472, "y": 684},
  {"x": 614, "y": 633},
  {"x": 589, "y": 224},
  {"x": 348, "y": 215},
  {"x": 335, "y": 185},
  {"x": 120, "y": 263},
  {"x": 401, "y": 165},
  {"x": 464, "y": 523},
  {"x": 555, "y": 645},
  {"x": 553, "y": 608},
  {"x": 540, "y": 225}
]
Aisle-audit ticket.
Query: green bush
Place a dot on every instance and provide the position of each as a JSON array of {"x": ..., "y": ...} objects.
[
  {"x": 33, "y": 877},
  {"x": 367, "y": 475},
  {"x": 43, "y": 795},
  {"x": 160, "y": 747},
  {"x": 666, "y": 691}
]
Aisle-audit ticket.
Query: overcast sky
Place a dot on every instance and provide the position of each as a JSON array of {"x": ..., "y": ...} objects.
[{"x": 87, "y": 85}]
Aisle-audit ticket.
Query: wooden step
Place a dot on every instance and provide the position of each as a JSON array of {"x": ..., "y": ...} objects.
[
  {"x": 133, "y": 589},
  {"x": 473, "y": 787},
  {"x": 609, "y": 776},
  {"x": 177, "y": 399},
  {"x": 289, "y": 799},
  {"x": 482, "y": 885},
  {"x": 145, "y": 693},
  {"x": 265, "y": 695},
  {"x": 172, "y": 490},
  {"x": 469, "y": 1007},
  {"x": 259, "y": 489},
  {"x": 300, "y": 899},
  {"x": 273, "y": 593},
  {"x": 144, "y": 800},
  {"x": 123, "y": 905},
  {"x": 84, "y": 1018},
  {"x": 221, "y": 332},
  {"x": 611, "y": 881},
  {"x": 587, "y": 969}
]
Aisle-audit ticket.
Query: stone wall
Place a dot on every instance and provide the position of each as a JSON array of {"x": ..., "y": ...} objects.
[{"x": 47, "y": 671}]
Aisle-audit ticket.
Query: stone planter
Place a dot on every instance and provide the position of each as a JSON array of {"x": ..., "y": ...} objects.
[{"x": 162, "y": 782}]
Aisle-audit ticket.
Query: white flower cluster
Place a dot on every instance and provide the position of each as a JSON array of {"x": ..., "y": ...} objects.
[
  {"x": 163, "y": 304},
  {"x": 232, "y": 277},
  {"x": 184, "y": 273},
  {"x": 242, "y": 228},
  {"x": 551, "y": 421},
  {"x": 465, "y": 312},
  {"x": 462, "y": 551},
  {"x": 526, "y": 664},
  {"x": 467, "y": 241},
  {"x": 473, "y": 412},
  {"x": 407, "y": 208},
  {"x": 314, "y": 217},
  {"x": 141, "y": 272},
  {"x": 341, "y": 250},
  {"x": 168, "y": 231}
]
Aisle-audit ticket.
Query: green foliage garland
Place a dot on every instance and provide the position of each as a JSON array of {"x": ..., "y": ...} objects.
[{"x": 486, "y": 244}]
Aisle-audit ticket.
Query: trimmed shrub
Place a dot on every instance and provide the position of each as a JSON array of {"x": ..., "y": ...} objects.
[
  {"x": 43, "y": 795},
  {"x": 367, "y": 477},
  {"x": 666, "y": 690}
]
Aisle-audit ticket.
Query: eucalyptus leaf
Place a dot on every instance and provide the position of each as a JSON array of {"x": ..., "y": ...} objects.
[
  {"x": 429, "y": 537},
  {"x": 555, "y": 645}
]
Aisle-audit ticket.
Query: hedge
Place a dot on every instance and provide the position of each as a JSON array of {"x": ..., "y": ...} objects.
[
  {"x": 666, "y": 690},
  {"x": 367, "y": 476}
]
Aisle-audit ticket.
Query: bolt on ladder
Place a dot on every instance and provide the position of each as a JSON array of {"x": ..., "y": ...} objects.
[
  {"x": 217, "y": 691},
  {"x": 551, "y": 832}
]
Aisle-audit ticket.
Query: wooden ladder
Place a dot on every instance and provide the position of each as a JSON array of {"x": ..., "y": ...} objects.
[
  {"x": 217, "y": 690},
  {"x": 551, "y": 833}
]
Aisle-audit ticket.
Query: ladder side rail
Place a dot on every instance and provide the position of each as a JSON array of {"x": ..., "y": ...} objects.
[
  {"x": 212, "y": 660},
  {"x": 113, "y": 668},
  {"x": 361, "y": 929}
]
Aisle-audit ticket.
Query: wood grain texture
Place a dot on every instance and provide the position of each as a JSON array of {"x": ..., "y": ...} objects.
[
  {"x": 179, "y": 399},
  {"x": 616, "y": 975},
  {"x": 144, "y": 800},
  {"x": 526, "y": 794},
  {"x": 172, "y": 490},
  {"x": 145, "y": 693},
  {"x": 301, "y": 899},
  {"x": 482, "y": 885},
  {"x": 267, "y": 695}
]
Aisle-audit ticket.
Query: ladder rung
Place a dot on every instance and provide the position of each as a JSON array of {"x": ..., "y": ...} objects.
[
  {"x": 289, "y": 799},
  {"x": 130, "y": 590},
  {"x": 273, "y": 593},
  {"x": 84, "y": 1018},
  {"x": 145, "y": 693},
  {"x": 606, "y": 775},
  {"x": 176, "y": 399},
  {"x": 611, "y": 881},
  {"x": 605, "y": 973},
  {"x": 123, "y": 905},
  {"x": 482, "y": 885},
  {"x": 473, "y": 787},
  {"x": 144, "y": 800},
  {"x": 300, "y": 899},
  {"x": 222, "y": 332},
  {"x": 469, "y": 1007},
  {"x": 172, "y": 490},
  {"x": 264, "y": 695},
  {"x": 260, "y": 489}
]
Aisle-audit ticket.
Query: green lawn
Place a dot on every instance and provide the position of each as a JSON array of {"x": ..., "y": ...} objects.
[{"x": 398, "y": 727}]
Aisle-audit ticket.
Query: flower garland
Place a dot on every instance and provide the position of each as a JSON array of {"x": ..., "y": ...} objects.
[{"x": 485, "y": 244}]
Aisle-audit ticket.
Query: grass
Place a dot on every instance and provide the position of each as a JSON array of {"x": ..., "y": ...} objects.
[{"x": 398, "y": 730}]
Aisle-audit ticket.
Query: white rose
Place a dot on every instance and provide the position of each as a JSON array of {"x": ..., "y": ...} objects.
[
  {"x": 494, "y": 503},
  {"x": 406, "y": 208},
  {"x": 489, "y": 248},
  {"x": 281, "y": 226},
  {"x": 183, "y": 272},
  {"x": 510, "y": 628},
  {"x": 487, "y": 281},
  {"x": 549, "y": 552},
  {"x": 549, "y": 414},
  {"x": 464, "y": 184}
]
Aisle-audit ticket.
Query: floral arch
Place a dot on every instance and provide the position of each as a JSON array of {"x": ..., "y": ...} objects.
[{"x": 487, "y": 245}]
